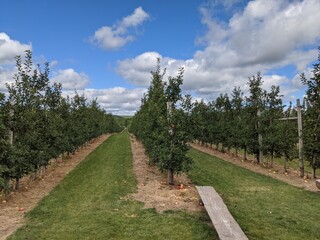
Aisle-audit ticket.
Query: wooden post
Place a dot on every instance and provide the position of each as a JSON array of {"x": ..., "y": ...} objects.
[
  {"x": 260, "y": 139},
  {"x": 300, "y": 143},
  {"x": 170, "y": 171},
  {"x": 301, "y": 163}
]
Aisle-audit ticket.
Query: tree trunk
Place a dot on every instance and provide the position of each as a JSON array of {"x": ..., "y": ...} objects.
[
  {"x": 55, "y": 163},
  {"x": 285, "y": 164},
  {"x": 34, "y": 175},
  {"x": 245, "y": 153},
  {"x": 6, "y": 189},
  {"x": 222, "y": 148},
  {"x": 272, "y": 159},
  {"x": 314, "y": 172},
  {"x": 170, "y": 177},
  {"x": 17, "y": 183},
  {"x": 257, "y": 155},
  {"x": 236, "y": 152},
  {"x": 42, "y": 171},
  {"x": 314, "y": 166}
]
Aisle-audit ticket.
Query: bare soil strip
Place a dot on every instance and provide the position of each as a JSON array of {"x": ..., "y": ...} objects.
[
  {"x": 31, "y": 192},
  {"x": 291, "y": 177},
  {"x": 152, "y": 189}
]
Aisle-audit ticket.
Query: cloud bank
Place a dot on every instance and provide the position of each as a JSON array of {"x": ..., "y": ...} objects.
[
  {"x": 116, "y": 36},
  {"x": 117, "y": 100},
  {"x": 10, "y": 48},
  {"x": 70, "y": 79},
  {"x": 264, "y": 36}
]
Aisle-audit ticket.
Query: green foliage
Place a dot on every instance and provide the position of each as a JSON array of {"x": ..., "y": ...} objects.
[
  {"x": 236, "y": 122},
  {"x": 4, "y": 148},
  {"x": 27, "y": 98},
  {"x": 311, "y": 123},
  {"x": 162, "y": 126},
  {"x": 44, "y": 124},
  {"x": 200, "y": 118},
  {"x": 280, "y": 136},
  {"x": 223, "y": 111},
  {"x": 255, "y": 103}
]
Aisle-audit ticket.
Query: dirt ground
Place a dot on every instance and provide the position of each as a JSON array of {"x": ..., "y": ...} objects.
[
  {"x": 31, "y": 192},
  {"x": 152, "y": 189},
  {"x": 291, "y": 177}
]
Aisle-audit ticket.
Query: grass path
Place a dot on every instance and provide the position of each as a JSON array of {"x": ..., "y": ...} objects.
[
  {"x": 91, "y": 203},
  {"x": 264, "y": 207}
]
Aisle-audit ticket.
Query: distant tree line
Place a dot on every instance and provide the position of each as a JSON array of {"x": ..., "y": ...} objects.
[{"x": 37, "y": 124}]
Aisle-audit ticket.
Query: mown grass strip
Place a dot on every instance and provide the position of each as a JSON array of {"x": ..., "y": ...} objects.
[
  {"x": 91, "y": 203},
  {"x": 264, "y": 207}
]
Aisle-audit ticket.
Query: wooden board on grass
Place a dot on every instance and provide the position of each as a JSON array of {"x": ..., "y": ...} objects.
[{"x": 224, "y": 223}]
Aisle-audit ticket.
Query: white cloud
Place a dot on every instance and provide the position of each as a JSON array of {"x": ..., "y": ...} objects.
[
  {"x": 106, "y": 38},
  {"x": 137, "y": 70},
  {"x": 70, "y": 79},
  {"x": 135, "y": 19},
  {"x": 117, "y": 100},
  {"x": 263, "y": 36},
  {"x": 10, "y": 48},
  {"x": 116, "y": 36}
]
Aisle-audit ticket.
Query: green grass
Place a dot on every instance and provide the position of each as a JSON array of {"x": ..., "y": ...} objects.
[
  {"x": 91, "y": 203},
  {"x": 264, "y": 207}
]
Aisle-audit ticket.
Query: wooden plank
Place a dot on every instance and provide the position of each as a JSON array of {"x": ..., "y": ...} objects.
[{"x": 225, "y": 225}]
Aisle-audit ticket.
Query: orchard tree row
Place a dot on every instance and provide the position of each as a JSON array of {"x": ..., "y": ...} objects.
[
  {"x": 258, "y": 124},
  {"x": 261, "y": 123},
  {"x": 162, "y": 124},
  {"x": 37, "y": 124},
  {"x": 251, "y": 124}
]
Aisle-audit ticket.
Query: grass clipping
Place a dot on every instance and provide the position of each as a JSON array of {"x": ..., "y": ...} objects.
[{"x": 152, "y": 189}]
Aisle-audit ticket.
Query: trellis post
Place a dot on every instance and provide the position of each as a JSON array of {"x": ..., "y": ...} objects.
[{"x": 301, "y": 163}]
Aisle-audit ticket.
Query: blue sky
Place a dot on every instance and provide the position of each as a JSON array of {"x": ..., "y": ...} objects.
[{"x": 106, "y": 49}]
